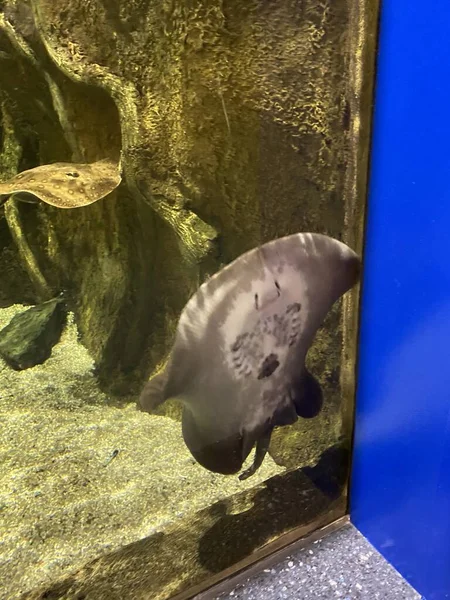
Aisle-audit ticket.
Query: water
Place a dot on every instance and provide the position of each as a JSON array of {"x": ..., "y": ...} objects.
[{"x": 223, "y": 126}]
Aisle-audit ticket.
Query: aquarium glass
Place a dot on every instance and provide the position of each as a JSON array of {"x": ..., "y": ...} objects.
[{"x": 145, "y": 146}]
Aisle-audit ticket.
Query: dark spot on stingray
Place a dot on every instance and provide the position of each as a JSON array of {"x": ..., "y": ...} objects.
[
  {"x": 256, "y": 301},
  {"x": 277, "y": 285},
  {"x": 238, "y": 342},
  {"x": 269, "y": 366},
  {"x": 73, "y": 174},
  {"x": 293, "y": 308}
]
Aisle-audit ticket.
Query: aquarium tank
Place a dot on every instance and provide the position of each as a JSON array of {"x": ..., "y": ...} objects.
[{"x": 182, "y": 189}]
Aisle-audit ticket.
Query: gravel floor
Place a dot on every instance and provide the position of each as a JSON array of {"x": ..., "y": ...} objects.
[
  {"x": 81, "y": 477},
  {"x": 343, "y": 565}
]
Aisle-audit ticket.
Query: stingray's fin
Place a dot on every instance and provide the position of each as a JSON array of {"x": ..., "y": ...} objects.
[
  {"x": 286, "y": 415},
  {"x": 262, "y": 446},
  {"x": 307, "y": 396},
  {"x": 152, "y": 395}
]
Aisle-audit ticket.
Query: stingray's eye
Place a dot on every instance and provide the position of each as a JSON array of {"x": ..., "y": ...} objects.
[
  {"x": 256, "y": 302},
  {"x": 73, "y": 174}
]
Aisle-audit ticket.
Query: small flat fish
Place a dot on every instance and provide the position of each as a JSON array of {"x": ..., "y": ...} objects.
[
  {"x": 238, "y": 360},
  {"x": 65, "y": 185}
]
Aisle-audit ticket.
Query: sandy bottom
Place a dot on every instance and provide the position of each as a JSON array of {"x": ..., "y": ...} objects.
[{"x": 81, "y": 477}]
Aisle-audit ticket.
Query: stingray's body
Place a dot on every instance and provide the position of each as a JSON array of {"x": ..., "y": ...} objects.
[{"x": 238, "y": 360}]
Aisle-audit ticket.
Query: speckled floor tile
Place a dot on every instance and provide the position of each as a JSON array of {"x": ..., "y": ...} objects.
[{"x": 343, "y": 565}]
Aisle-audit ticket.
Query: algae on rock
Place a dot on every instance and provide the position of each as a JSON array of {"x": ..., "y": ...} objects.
[{"x": 30, "y": 336}]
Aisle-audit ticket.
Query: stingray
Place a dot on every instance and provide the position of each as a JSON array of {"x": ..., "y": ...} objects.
[
  {"x": 238, "y": 360},
  {"x": 65, "y": 185}
]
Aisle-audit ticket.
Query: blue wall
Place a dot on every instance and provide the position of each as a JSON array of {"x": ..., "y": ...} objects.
[{"x": 400, "y": 498}]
